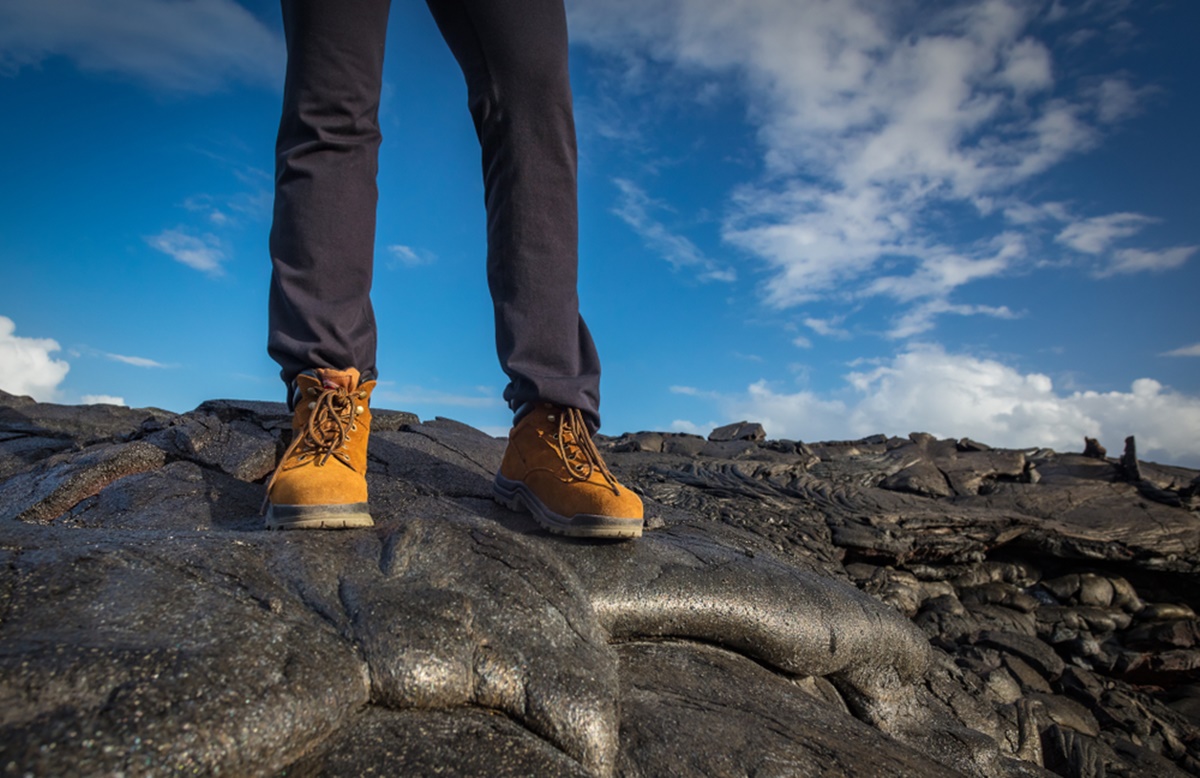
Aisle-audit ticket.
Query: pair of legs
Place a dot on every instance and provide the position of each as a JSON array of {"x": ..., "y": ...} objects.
[
  {"x": 322, "y": 326},
  {"x": 514, "y": 58}
]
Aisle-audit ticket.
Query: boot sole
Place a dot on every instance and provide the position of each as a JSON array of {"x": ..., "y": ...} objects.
[
  {"x": 516, "y": 496},
  {"x": 350, "y": 516}
]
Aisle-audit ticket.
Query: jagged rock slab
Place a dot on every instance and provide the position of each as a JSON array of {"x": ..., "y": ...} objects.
[
  {"x": 81, "y": 424},
  {"x": 63, "y": 481}
]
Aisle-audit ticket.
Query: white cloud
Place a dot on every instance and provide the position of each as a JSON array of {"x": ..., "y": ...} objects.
[
  {"x": 179, "y": 46},
  {"x": 1187, "y": 351},
  {"x": 101, "y": 399},
  {"x": 956, "y": 395},
  {"x": 1117, "y": 99},
  {"x": 922, "y": 317},
  {"x": 405, "y": 256},
  {"x": 1027, "y": 67},
  {"x": 816, "y": 241},
  {"x": 1023, "y": 214},
  {"x": 691, "y": 391},
  {"x": 135, "y": 361},
  {"x": 827, "y": 327},
  {"x": 202, "y": 253},
  {"x": 874, "y": 124},
  {"x": 940, "y": 271},
  {"x": 634, "y": 207},
  {"x": 1096, "y": 235},
  {"x": 789, "y": 415},
  {"x": 1139, "y": 260},
  {"x": 26, "y": 364}
]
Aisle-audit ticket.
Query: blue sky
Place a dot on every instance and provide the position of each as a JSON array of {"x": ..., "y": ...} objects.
[{"x": 970, "y": 217}]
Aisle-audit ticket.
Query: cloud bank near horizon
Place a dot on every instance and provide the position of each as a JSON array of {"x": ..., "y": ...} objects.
[
  {"x": 922, "y": 389},
  {"x": 926, "y": 389}
]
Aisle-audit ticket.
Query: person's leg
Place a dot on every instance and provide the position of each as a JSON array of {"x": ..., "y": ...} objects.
[
  {"x": 322, "y": 328},
  {"x": 323, "y": 236},
  {"x": 514, "y": 58}
]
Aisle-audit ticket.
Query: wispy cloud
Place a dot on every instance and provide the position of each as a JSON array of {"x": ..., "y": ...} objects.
[
  {"x": 691, "y": 391},
  {"x": 829, "y": 328},
  {"x": 1140, "y": 260},
  {"x": 203, "y": 253},
  {"x": 634, "y": 206},
  {"x": 921, "y": 318},
  {"x": 405, "y": 256},
  {"x": 137, "y": 361},
  {"x": 26, "y": 364},
  {"x": 204, "y": 204},
  {"x": 177, "y": 46},
  {"x": 1096, "y": 235},
  {"x": 251, "y": 203},
  {"x": 1117, "y": 99},
  {"x": 1186, "y": 351},
  {"x": 874, "y": 124}
]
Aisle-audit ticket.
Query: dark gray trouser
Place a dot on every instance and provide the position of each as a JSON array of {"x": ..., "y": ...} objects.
[{"x": 514, "y": 58}]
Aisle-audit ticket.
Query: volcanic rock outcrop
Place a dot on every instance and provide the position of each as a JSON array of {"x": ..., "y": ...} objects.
[{"x": 885, "y": 606}]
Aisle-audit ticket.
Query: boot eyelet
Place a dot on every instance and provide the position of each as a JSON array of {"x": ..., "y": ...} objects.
[{"x": 360, "y": 410}]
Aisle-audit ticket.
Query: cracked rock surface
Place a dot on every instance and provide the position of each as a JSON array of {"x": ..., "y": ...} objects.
[{"x": 885, "y": 606}]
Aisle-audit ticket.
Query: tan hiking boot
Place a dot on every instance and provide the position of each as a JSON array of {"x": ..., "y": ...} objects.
[
  {"x": 552, "y": 469},
  {"x": 320, "y": 482}
]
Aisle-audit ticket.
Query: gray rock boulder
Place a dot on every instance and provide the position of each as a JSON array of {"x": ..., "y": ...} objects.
[{"x": 741, "y": 430}]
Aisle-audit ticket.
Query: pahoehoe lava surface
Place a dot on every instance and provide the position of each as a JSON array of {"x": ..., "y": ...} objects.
[{"x": 885, "y": 606}]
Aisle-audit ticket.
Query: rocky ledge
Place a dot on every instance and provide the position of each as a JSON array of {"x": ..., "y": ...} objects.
[{"x": 885, "y": 606}]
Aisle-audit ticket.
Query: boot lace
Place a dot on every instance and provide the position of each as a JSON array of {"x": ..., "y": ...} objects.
[
  {"x": 577, "y": 450},
  {"x": 326, "y": 433}
]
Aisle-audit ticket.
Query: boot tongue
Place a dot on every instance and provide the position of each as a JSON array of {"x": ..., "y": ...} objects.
[{"x": 338, "y": 379}]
